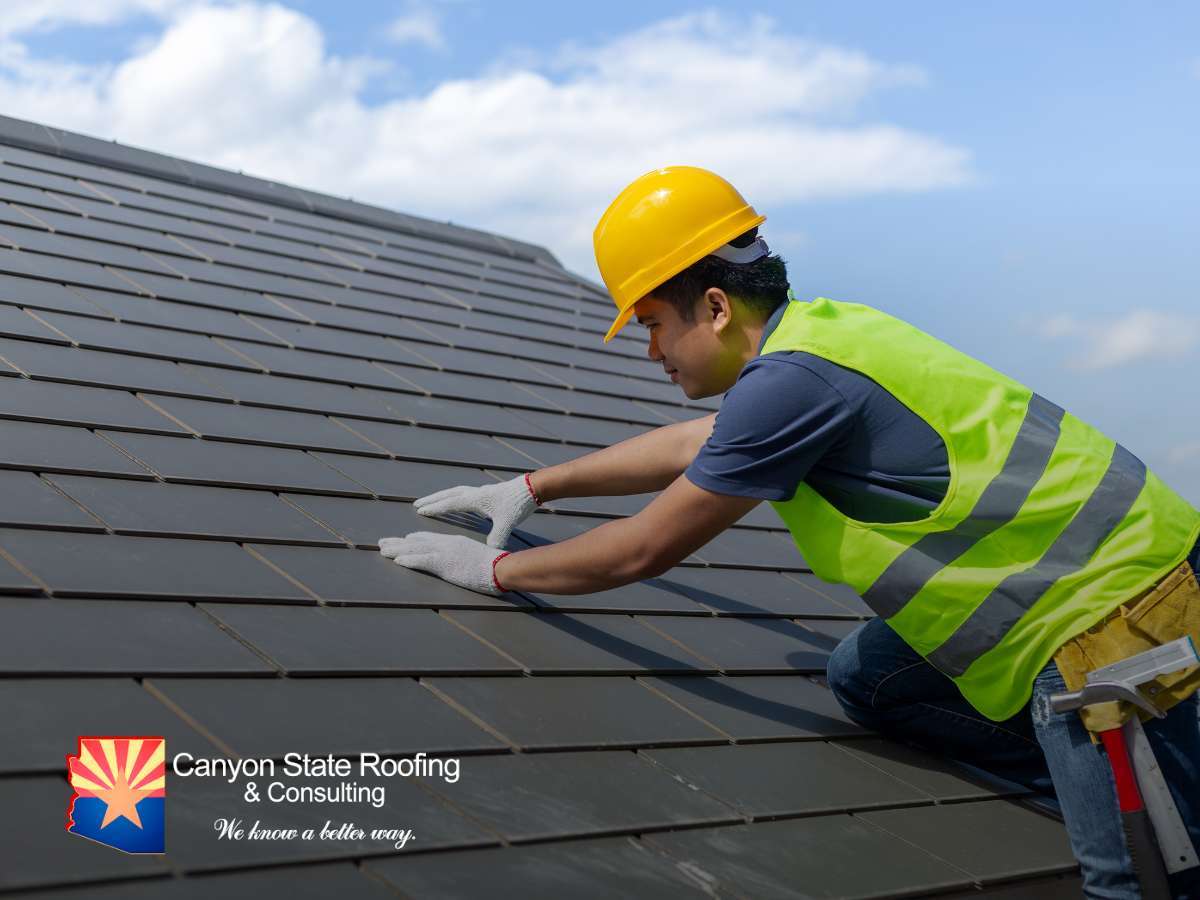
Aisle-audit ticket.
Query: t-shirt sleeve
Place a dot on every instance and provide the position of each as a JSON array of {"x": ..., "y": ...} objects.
[{"x": 775, "y": 423}]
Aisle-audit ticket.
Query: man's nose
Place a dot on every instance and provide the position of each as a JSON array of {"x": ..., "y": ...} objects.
[{"x": 652, "y": 349}]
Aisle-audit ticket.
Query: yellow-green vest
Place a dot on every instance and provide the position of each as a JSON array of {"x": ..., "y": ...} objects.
[{"x": 1047, "y": 525}]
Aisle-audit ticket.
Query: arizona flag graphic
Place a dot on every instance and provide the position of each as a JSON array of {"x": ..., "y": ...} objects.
[{"x": 120, "y": 789}]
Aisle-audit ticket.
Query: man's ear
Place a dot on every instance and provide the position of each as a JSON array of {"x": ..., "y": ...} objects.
[{"x": 718, "y": 309}]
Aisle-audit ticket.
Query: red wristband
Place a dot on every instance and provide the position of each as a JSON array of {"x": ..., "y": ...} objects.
[
  {"x": 501, "y": 588},
  {"x": 532, "y": 492}
]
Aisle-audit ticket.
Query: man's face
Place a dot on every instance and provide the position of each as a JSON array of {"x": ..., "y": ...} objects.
[{"x": 691, "y": 353}]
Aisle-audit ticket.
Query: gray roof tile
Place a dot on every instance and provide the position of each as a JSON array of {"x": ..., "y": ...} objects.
[
  {"x": 37, "y": 240},
  {"x": 326, "y": 366},
  {"x": 62, "y": 448},
  {"x": 828, "y": 856},
  {"x": 46, "y": 716},
  {"x": 301, "y": 394},
  {"x": 392, "y": 716},
  {"x": 532, "y": 796},
  {"x": 626, "y": 505},
  {"x": 332, "y": 340},
  {"x": 16, "y": 322},
  {"x": 67, "y": 404},
  {"x": 735, "y": 592},
  {"x": 231, "y": 297},
  {"x": 777, "y": 779},
  {"x": 78, "y": 226},
  {"x": 456, "y": 386},
  {"x": 437, "y": 412},
  {"x": 187, "y": 459},
  {"x": 323, "y": 641},
  {"x": 189, "y": 511},
  {"x": 406, "y": 479},
  {"x": 578, "y": 644},
  {"x": 102, "y": 565},
  {"x": 275, "y": 427},
  {"x": 964, "y": 834},
  {"x": 579, "y": 429},
  {"x": 651, "y": 596},
  {"x": 96, "y": 368},
  {"x": 30, "y": 502},
  {"x": 749, "y": 646},
  {"x": 34, "y": 294},
  {"x": 841, "y": 594},
  {"x": 547, "y": 452},
  {"x": 63, "y": 636},
  {"x": 595, "y": 869},
  {"x": 469, "y": 362},
  {"x": 746, "y": 548},
  {"x": 936, "y": 776},
  {"x": 576, "y": 711},
  {"x": 178, "y": 316},
  {"x": 14, "y": 581},
  {"x": 435, "y": 445},
  {"x": 144, "y": 340},
  {"x": 759, "y": 707},
  {"x": 81, "y": 272}
]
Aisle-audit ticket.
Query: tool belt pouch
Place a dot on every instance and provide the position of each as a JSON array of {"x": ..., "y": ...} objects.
[{"x": 1169, "y": 610}]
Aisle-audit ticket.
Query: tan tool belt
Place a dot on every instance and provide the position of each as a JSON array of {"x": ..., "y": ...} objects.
[{"x": 1167, "y": 611}]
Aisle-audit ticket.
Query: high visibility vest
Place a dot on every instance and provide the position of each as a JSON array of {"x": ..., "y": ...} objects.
[{"x": 1047, "y": 525}]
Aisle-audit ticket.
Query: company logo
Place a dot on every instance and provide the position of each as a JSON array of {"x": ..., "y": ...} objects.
[{"x": 120, "y": 789}]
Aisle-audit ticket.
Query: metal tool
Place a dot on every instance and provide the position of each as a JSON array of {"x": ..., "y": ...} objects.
[{"x": 1157, "y": 837}]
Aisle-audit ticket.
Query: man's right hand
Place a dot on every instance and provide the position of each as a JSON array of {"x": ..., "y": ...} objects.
[{"x": 507, "y": 504}]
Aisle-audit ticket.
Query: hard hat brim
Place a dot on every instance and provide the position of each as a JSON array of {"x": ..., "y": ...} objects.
[{"x": 618, "y": 323}]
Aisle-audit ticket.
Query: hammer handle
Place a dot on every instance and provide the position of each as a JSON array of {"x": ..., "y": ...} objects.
[{"x": 1139, "y": 833}]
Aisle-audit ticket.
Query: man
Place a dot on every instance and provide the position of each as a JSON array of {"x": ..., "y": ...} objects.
[{"x": 991, "y": 531}]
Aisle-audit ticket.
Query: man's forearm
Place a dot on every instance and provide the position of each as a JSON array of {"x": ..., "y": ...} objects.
[
  {"x": 601, "y": 558},
  {"x": 647, "y": 462}
]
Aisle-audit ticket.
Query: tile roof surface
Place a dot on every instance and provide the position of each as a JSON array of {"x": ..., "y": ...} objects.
[{"x": 218, "y": 392}]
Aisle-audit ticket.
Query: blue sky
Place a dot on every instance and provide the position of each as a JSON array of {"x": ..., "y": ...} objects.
[{"x": 1018, "y": 179}]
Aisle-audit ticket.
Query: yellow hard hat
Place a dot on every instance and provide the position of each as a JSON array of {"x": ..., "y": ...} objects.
[{"x": 661, "y": 224}]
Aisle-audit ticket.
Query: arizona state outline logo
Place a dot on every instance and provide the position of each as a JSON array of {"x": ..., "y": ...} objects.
[{"x": 120, "y": 792}]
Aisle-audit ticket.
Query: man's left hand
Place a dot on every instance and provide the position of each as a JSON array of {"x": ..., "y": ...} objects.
[{"x": 452, "y": 557}]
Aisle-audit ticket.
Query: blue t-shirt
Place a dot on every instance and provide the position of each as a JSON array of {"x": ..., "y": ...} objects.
[{"x": 792, "y": 416}]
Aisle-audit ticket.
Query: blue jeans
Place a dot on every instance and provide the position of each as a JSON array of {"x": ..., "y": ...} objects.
[{"x": 886, "y": 686}]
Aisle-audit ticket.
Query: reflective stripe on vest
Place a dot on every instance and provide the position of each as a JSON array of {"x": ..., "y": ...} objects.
[
  {"x": 1014, "y": 596},
  {"x": 1047, "y": 525},
  {"x": 998, "y": 505}
]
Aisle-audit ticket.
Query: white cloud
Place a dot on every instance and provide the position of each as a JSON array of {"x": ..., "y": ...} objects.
[
  {"x": 41, "y": 15},
  {"x": 1140, "y": 334},
  {"x": 418, "y": 25},
  {"x": 535, "y": 150}
]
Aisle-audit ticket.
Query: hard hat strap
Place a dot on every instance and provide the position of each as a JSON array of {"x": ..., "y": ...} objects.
[{"x": 742, "y": 255}]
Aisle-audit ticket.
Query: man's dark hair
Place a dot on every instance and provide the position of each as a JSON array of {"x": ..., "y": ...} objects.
[{"x": 760, "y": 285}]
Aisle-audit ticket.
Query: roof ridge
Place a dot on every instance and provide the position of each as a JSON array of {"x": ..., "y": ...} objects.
[{"x": 124, "y": 157}]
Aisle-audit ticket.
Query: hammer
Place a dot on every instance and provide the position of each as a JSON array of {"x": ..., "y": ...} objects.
[{"x": 1158, "y": 840}]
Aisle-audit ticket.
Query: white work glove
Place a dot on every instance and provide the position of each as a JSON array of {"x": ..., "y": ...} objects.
[
  {"x": 507, "y": 504},
  {"x": 451, "y": 557}
]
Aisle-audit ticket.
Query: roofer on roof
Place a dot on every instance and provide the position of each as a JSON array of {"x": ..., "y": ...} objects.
[{"x": 994, "y": 534}]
